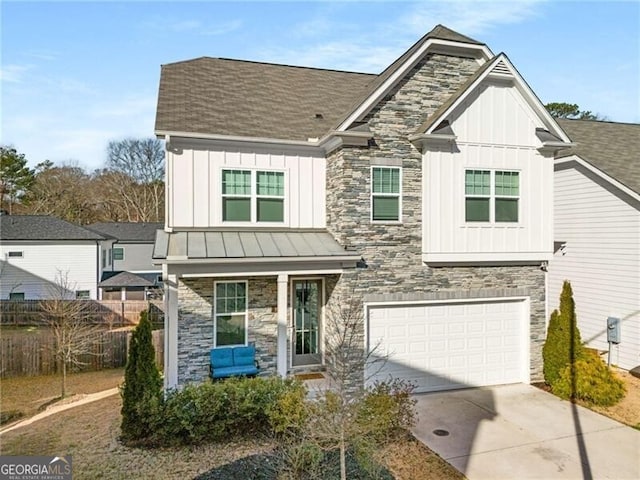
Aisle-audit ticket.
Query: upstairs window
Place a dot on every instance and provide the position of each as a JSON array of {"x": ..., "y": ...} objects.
[
  {"x": 491, "y": 196},
  {"x": 385, "y": 194},
  {"x": 118, "y": 254},
  {"x": 252, "y": 196}
]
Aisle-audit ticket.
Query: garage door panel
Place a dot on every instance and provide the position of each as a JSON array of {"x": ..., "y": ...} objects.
[{"x": 447, "y": 346}]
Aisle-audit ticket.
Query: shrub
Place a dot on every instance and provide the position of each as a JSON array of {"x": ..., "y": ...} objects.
[
  {"x": 214, "y": 411},
  {"x": 142, "y": 388},
  {"x": 387, "y": 408},
  {"x": 563, "y": 345},
  {"x": 591, "y": 380}
]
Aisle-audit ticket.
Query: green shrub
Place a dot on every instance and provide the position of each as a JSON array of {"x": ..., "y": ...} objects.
[
  {"x": 563, "y": 345},
  {"x": 142, "y": 388},
  {"x": 590, "y": 380},
  {"x": 214, "y": 411},
  {"x": 387, "y": 408},
  {"x": 289, "y": 414}
]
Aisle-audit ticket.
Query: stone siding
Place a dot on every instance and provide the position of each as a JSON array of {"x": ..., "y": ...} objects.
[
  {"x": 195, "y": 325},
  {"x": 393, "y": 252}
]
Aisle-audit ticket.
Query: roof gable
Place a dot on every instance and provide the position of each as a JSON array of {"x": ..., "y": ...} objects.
[
  {"x": 501, "y": 68},
  {"x": 42, "y": 227},
  {"x": 613, "y": 148}
]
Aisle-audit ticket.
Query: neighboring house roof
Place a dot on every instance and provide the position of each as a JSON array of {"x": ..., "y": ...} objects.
[
  {"x": 42, "y": 227},
  {"x": 252, "y": 99},
  {"x": 225, "y": 244},
  {"x": 613, "y": 148},
  {"x": 124, "y": 279},
  {"x": 136, "y": 232}
]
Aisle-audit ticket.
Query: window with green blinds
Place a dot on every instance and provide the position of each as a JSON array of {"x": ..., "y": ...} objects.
[
  {"x": 477, "y": 189},
  {"x": 252, "y": 196},
  {"x": 230, "y": 313},
  {"x": 385, "y": 194},
  {"x": 491, "y": 196}
]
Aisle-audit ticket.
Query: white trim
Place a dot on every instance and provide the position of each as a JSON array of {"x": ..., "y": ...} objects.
[
  {"x": 373, "y": 99},
  {"x": 390, "y": 195},
  {"x": 282, "y": 330},
  {"x": 579, "y": 160},
  {"x": 262, "y": 274},
  {"x": 483, "y": 258},
  {"x": 246, "y": 311}
]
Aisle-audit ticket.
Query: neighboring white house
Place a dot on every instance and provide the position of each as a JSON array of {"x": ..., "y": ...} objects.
[
  {"x": 35, "y": 249},
  {"x": 128, "y": 271},
  {"x": 597, "y": 233},
  {"x": 417, "y": 201}
]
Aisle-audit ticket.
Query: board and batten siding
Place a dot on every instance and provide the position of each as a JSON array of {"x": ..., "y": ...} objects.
[
  {"x": 35, "y": 273},
  {"x": 601, "y": 260},
  {"x": 194, "y": 179},
  {"x": 495, "y": 130}
]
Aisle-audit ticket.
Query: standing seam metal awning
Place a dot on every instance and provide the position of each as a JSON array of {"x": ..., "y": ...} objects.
[{"x": 246, "y": 245}]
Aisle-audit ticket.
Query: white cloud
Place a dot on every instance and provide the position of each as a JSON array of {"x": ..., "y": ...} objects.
[
  {"x": 222, "y": 28},
  {"x": 14, "y": 73}
]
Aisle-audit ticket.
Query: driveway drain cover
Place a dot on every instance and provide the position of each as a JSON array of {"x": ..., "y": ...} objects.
[{"x": 440, "y": 433}]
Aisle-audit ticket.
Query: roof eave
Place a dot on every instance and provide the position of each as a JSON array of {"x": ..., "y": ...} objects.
[{"x": 248, "y": 260}]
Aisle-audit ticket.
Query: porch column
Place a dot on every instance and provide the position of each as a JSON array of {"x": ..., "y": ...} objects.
[
  {"x": 283, "y": 280},
  {"x": 170, "y": 330}
]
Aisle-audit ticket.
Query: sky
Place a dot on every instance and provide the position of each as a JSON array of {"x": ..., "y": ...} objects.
[{"x": 76, "y": 75}]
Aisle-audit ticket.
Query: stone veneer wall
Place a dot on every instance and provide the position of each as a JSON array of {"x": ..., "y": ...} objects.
[
  {"x": 393, "y": 252},
  {"x": 195, "y": 325}
]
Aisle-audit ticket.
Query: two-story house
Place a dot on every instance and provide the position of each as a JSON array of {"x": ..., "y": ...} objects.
[{"x": 418, "y": 201}]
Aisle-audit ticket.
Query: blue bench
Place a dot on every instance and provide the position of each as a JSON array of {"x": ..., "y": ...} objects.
[{"x": 233, "y": 361}]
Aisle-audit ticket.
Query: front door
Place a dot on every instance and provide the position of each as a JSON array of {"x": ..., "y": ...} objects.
[{"x": 307, "y": 299}]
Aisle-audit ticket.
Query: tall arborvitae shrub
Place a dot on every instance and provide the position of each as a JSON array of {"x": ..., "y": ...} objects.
[
  {"x": 563, "y": 345},
  {"x": 142, "y": 389}
]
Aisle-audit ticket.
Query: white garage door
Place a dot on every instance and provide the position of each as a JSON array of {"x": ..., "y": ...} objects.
[{"x": 449, "y": 345}]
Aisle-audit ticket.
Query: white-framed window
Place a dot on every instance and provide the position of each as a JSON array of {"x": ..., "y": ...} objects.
[
  {"x": 104, "y": 259},
  {"x": 230, "y": 313},
  {"x": 15, "y": 254},
  {"x": 255, "y": 196},
  {"x": 491, "y": 196},
  {"x": 16, "y": 296},
  {"x": 386, "y": 194},
  {"x": 118, "y": 254},
  {"x": 83, "y": 294}
]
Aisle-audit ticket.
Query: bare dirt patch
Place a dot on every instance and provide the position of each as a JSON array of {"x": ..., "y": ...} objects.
[{"x": 29, "y": 394}]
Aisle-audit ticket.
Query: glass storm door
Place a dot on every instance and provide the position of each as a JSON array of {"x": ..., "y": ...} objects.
[{"x": 307, "y": 297}]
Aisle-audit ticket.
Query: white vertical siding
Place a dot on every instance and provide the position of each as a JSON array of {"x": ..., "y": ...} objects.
[
  {"x": 495, "y": 130},
  {"x": 35, "y": 273},
  {"x": 137, "y": 258},
  {"x": 601, "y": 260},
  {"x": 195, "y": 179}
]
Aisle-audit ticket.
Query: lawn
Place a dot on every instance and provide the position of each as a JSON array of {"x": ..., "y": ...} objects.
[{"x": 90, "y": 433}]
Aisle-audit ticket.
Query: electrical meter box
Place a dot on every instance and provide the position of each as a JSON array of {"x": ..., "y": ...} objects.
[{"x": 613, "y": 330}]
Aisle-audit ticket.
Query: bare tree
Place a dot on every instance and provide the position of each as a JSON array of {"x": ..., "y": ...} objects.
[
  {"x": 137, "y": 172},
  {"x": 67, "y": 319}
]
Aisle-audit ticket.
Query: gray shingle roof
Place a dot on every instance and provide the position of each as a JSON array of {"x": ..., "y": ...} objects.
[
  {"x": 226, "y": 244},
  {"x": 42, "y": 227},
  {"x": 125, "y": 279},
  {"x": 143, "y": 232},
  {"x": 250, "y": 99},
  {"x": 611, "y": 147}
]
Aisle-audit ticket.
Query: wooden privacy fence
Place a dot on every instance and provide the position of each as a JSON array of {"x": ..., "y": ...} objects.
[
  {"x": 105, "y": 312},
  {"x": 34, "y": 354}
]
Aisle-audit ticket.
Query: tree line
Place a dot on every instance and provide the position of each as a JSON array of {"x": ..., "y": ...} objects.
[{"x": 128, "y": 188}]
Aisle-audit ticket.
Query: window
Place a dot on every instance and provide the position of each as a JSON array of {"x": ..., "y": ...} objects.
[
  {"x": 385, "y": 194},
  {"x": 15, "y": 254},
  {"x": 104, "y": 259},
  {"x": 16, "y": 296},
  {"x": 118, "y": 254},
  {"x": 83, "y": 294},
  {"x": 252, "y": 196},
  {"x": 491, "y": 196},
  {"x": 230, "y": 313}
]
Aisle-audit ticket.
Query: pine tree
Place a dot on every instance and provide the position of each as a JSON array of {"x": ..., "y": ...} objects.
[
  {"x": 563, "y": 345},
  {"x": 142, "y": 389}
]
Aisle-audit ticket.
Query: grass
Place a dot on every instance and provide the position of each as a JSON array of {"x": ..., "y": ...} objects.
[
  {"x": 27, "y": 395},
  {"x": 90, "y": 434}
]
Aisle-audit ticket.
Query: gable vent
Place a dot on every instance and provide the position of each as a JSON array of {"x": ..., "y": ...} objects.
[{"x": 501, "y": 69}]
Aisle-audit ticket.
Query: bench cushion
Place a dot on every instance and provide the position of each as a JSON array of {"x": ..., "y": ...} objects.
[
  {"x": 222, "y": 357},
  {"x": 244, "y": 356},
  {"x": 233, "y": 371}
]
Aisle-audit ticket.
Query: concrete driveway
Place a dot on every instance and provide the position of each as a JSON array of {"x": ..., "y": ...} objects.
[{"x": 519, "y": 431}]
